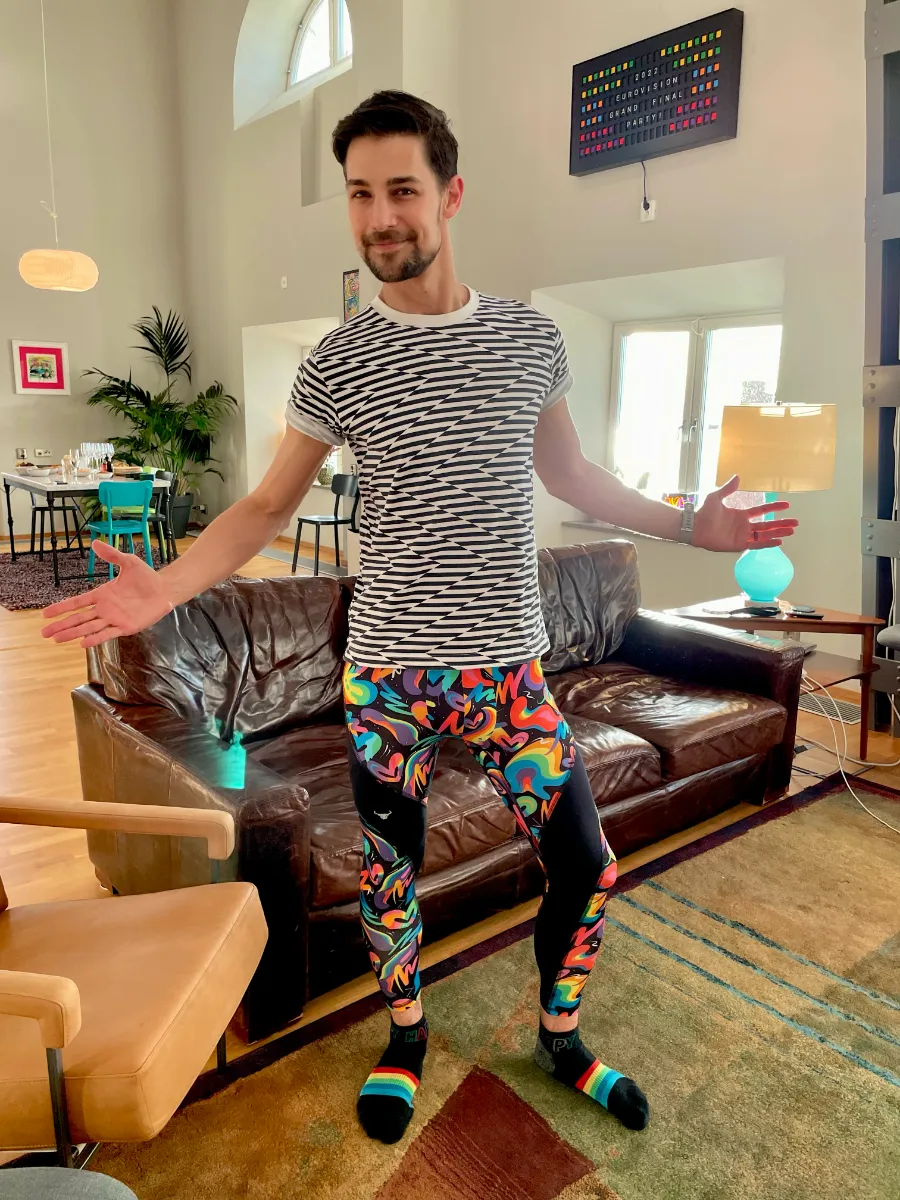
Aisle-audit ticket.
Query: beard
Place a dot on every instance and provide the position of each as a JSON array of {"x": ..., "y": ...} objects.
[{"x": 411, "y": 265}]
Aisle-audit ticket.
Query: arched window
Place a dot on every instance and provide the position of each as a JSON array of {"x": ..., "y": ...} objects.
[{"x": 324, "y": 40}]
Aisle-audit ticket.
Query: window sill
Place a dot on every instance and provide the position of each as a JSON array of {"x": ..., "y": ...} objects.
[
  {"x": 304, "y": 86},
  {"x": 296, "y": 91},
  {"x": 610, "y": 532}
]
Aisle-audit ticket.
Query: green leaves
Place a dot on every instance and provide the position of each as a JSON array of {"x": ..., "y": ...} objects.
[
  {"x": 166, "y": 341},
  {"x": 166, "y": 432},
  {"x": 121, "y": 395}
]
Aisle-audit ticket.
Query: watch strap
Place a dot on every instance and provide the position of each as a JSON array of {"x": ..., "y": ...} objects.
[{"x": 686, "y": 533}]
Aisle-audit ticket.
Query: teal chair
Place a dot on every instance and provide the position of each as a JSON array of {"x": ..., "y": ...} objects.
[{"x": 133, "y": 496}]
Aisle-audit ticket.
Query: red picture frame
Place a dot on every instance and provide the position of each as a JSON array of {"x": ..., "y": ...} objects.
[{"x": 41, "y": 367}]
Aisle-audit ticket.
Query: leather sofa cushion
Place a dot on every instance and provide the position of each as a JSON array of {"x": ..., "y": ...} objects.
[
  {"x": 618, "y": 763},
  {"x": 589, "y": 594},
  {"x": 694, "y": 728},
  {"x": 249, "y": 657},
  {"x": 466, "y": 817}
]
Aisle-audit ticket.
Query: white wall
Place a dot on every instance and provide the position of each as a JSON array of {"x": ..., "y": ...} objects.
[
  {"x": 272, "y": 356},
  {"x": 118, "y": 184},
  {"x": 589, "y": 347}
]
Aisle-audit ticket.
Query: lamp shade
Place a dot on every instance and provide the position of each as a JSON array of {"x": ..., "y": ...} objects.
[
  {"x": 59, "y": 270},
  {"x": 779, "y": 447}
]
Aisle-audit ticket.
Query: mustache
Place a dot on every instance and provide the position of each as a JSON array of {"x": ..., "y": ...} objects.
[{"x": 388, "y": 235}]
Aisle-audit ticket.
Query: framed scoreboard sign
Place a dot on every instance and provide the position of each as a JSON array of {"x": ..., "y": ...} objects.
[{"x": 668, "y": 93}]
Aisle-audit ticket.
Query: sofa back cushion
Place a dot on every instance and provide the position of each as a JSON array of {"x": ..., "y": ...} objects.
[
  {"x": 252, "y": 656},
  {"x": 589, "y": 594}
]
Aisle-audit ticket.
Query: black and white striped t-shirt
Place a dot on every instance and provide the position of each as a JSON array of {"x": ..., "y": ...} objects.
[{"x": 440, "y": 412}]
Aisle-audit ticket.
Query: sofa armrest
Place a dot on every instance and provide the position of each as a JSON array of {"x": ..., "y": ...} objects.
[
  {"x": 723, "y": 658},
  {"x": 705, "y": 654},
  {"x": 145, "y": 754},
  {"x": 51, "y": 1000},
  {"x": 162, "y": 758}
]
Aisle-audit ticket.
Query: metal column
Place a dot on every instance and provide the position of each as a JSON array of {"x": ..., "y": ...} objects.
[{"x": 881, "y": 378}]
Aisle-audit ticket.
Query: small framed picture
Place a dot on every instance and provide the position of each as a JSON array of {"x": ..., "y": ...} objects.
[
  {"x": 351, "y": 294},
  {"x": 41, "y": 367}
]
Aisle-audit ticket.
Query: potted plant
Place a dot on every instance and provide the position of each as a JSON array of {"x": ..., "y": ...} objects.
[{"x": 169, "y": 431}]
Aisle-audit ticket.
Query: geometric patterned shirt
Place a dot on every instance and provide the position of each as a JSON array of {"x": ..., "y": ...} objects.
[{"x": 440, "y": 412}]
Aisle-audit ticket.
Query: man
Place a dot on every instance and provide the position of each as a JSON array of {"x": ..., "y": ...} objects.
[{"x": 448, "y": 399}]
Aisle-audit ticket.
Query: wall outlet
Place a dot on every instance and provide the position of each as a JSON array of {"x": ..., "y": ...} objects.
[
  {"x": 42, "y": 454},
  {"x": 284, "y": 281},
  {"x": 648, "y": 214},
  {"x": 201, "y": 508},
  {"x": 21, "y": 452}
]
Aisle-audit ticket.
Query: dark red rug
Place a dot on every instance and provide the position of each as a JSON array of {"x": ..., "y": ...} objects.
[{"x": 469, "y": 1150}]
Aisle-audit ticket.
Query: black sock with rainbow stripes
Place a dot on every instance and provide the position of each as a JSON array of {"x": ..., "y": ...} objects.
[
  {"x": 385, "y": 1104},
  {"x": 566, "y": 1058}
]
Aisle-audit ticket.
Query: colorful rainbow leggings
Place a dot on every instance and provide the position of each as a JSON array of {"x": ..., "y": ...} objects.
[{"x": 397, "y": 720}]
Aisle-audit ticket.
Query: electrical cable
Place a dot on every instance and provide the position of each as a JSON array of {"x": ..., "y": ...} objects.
[
  {"x": 845, "y": 757},
  {"x": 646, "y": 201},
  {"x": 51, "y": 207},
  {"x": 810, "y": 689}
]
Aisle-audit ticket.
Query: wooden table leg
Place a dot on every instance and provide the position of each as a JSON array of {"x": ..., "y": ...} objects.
[{"x": 866, "y": 690}]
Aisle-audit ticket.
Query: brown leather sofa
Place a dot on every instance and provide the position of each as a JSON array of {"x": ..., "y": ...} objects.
[{"x": 234, "y": 701}]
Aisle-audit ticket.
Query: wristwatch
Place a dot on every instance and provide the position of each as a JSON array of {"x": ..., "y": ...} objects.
[{"x": 686, "y": 533}]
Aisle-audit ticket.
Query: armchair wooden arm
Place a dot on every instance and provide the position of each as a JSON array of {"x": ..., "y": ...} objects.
[
  {"x": 51, "y": 1000},
  {"x": 215, "y": 826}
]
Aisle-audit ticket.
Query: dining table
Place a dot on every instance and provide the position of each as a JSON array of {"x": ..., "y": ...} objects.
[{"x": 54, "y": 490}]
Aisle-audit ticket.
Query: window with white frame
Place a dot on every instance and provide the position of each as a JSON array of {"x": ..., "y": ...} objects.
[
  {"x": 324, "y": 41},
  {"x": 671, "y": 381}
]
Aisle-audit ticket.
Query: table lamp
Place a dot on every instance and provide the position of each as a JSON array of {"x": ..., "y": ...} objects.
[{"x": 775, "y": 448}]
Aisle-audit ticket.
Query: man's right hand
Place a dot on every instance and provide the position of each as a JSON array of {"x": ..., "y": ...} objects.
[
  {"x": 136, "y": 599},
  {"x": 140, "y": 596}
]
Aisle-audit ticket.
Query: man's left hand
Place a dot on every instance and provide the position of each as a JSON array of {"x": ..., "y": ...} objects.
[{"x": 717, "y": 527}]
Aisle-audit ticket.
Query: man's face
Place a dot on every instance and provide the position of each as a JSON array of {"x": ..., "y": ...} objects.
[{"x": 397, "y": 206}]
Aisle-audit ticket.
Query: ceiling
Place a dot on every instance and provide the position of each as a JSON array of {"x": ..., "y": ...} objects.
[{"x": 728, "y": 288}]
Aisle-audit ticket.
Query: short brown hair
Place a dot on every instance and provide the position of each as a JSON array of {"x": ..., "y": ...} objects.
[{"x": 389, "y": 113}]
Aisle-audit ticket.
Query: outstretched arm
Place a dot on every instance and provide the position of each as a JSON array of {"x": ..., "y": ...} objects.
[
  {"x": 568, "y": 475},
  {"x": 139, "y": 596}
]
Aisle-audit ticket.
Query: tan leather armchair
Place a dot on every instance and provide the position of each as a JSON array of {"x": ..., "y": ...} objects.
[{"x": 111, "y": 1008}]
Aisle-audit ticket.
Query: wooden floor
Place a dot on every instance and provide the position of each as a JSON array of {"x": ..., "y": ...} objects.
[{"x": 38, "y": 758}]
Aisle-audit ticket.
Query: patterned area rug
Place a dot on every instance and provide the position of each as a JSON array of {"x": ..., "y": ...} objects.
[
  {"x": 750, "y": 983},
  {"x": 28, "y": 582}
]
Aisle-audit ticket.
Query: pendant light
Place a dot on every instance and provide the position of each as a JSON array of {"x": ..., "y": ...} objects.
[{"x": 56, "y": 270}]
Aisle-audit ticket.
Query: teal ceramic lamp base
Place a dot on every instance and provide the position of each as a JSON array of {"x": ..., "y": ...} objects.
[{"x": 762, "y": 575}]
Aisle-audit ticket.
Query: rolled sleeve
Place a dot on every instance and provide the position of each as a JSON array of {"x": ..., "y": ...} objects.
[
  {"x": 311, "y": 408},
  {"x": 560, "y": 376}
]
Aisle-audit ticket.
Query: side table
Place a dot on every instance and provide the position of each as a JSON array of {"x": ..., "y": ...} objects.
[{"x": 828, "y": 670}]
